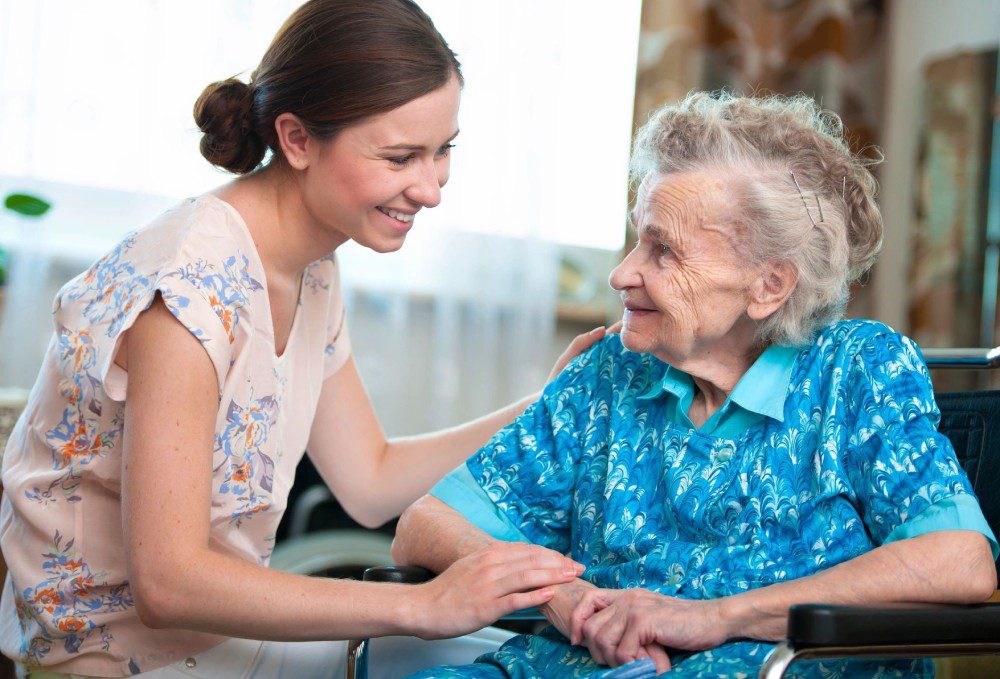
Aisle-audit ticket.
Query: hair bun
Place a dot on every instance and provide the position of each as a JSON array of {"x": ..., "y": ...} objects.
[{"x": 229, "y": 139}]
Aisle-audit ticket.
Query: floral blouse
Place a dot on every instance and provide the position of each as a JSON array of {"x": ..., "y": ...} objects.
[
  {"x": 843, "y": 456},
  {"x": 66, "y": 602}
]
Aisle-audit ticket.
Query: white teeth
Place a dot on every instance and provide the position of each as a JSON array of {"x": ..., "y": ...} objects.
[{"x": 397, "y": 215}]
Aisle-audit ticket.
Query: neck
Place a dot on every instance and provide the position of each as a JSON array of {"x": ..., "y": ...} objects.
[
  {"x": 717, "y": 367},
  {"x": 287, "y": 236}
]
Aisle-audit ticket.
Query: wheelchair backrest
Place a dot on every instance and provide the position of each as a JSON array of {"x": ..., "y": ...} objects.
[{"x": 971, "y": 421}]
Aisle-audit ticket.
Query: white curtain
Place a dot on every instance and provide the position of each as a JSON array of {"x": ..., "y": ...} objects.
[
  {"x": 99, "y": 94},
  {"x": 446, "y": 343}
]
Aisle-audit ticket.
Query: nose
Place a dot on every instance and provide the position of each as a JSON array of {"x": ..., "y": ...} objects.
[
  {"x": 625, "y": 275},
  {"x": 426, "y": 186}
]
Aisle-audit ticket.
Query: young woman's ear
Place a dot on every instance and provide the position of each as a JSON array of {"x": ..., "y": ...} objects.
[
  {"x": 776, "y": 282},
  {"x": 294, "y": 139}
]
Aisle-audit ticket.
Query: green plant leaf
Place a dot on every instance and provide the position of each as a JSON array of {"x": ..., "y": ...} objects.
[{"x": 23, "y": 204}]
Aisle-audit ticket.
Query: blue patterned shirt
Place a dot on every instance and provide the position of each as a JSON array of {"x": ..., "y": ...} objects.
[{"x": 820, "y": 454}]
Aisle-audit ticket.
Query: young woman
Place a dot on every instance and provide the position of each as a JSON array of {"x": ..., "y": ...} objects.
[{"x": 195, "y": 362}]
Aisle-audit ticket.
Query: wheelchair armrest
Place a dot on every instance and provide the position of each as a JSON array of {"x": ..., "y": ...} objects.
[
  {"x": 814, "y": 625},
  {"x": 403, "y": 575}
]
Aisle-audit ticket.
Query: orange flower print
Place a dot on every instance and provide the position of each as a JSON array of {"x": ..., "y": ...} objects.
[
  {"x": 82, "y": 584},
  {"x": 48, "y": 599},
  {"x": 59, "y": 608},
  {"x": 225, "y": 315},
  {"x": 71, "y": 624},
  {"x": 241, "y": 474},
  {"x": 79, "y": 445}
]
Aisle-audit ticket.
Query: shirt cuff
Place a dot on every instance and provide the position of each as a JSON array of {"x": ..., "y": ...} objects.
[
  {"x": 958, "y": 512},
  {"x": 460, "y": 491}
]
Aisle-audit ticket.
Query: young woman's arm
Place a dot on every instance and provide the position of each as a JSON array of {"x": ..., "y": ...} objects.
[
  {"x": 179, "y": 579},
  {"x": 375, "y": 479}
]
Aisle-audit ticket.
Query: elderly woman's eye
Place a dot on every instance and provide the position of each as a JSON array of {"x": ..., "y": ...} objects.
[{"x": 663, "y": 249}]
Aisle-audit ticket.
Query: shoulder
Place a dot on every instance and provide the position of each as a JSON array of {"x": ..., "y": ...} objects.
[
  {"x": 870, "y": 342},
  {"x": 609, "y": 367},
  {"x": 322, "y": 278},
  {"x": 860, "y": 341},
  {"x": 196, "y": 254},
  {"x": 870, "y": 363},
  {"x": 196, "y": 229}
]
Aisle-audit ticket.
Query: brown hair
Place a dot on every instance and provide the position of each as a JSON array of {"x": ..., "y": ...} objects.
[{"x": 333, "y": 63}]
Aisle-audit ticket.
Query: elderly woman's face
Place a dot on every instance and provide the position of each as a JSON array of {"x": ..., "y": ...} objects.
[{"x": 684, "y": 285}]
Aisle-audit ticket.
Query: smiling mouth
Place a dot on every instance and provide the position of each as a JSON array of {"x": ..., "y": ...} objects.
[
  {"x": 403, "y": 217},
  {"x": 633, "y": 308}
]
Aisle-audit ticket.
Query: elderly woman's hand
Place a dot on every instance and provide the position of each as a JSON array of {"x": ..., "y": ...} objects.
[
  {"x": 619, "y": 626},
  {"x": 579, "y": 345}
]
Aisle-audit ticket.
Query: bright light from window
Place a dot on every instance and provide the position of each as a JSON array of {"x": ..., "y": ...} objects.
[{"x": 100, "y": 94}]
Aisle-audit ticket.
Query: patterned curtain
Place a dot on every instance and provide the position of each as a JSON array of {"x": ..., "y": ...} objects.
[{"x": 828, "y": 49}]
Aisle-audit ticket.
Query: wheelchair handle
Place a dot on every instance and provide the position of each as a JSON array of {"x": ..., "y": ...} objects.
[{"x": 963, "y": 358}]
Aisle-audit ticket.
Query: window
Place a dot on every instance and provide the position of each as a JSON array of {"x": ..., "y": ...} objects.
[{"x": 100, "y": 94}]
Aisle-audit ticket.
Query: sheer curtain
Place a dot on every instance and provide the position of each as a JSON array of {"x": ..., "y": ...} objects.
[{"x": 461, "y": 319}]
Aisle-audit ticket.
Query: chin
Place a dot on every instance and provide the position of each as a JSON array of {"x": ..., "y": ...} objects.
[
  {"x": 386, "y": 245},
  {"x": 633, "y": 341}
]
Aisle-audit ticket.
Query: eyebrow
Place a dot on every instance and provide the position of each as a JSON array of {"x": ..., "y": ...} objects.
[
  {"x": 653, "y": 232},
  {"x": 415, "y": 147}
]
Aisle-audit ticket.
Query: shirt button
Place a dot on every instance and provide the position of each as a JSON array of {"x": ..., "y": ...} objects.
[{"x": 190, "y": 662}]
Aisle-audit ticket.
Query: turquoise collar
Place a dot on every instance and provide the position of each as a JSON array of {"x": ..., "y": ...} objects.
[{"x": 761, "y": 390}]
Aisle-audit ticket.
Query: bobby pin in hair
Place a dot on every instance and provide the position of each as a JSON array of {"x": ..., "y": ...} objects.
[{"x": 806, "y": 205}]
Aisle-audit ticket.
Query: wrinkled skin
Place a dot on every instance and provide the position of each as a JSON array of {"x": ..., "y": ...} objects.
[{"x": 685, "y": 286}]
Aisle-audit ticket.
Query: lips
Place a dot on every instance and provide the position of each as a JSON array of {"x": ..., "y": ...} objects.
[
  {"x": 632, "y": 306},
  {"x": 398, "y": 215},
  {"x": 398, "y": 222}
]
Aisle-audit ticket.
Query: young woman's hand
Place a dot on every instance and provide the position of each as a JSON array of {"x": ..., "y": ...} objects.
[
  {"x": 486, "y": 585},
  {"x": 579, "y": 345}
]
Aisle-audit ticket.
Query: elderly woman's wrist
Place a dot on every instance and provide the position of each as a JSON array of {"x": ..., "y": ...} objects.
[{"x": 734, "y": 616}]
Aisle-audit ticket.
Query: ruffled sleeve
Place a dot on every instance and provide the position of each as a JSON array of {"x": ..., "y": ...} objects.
[{"x": 207, "y": 286}]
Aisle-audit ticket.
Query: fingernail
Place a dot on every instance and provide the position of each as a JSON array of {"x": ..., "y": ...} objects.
[{"x": 570, "y": 573}]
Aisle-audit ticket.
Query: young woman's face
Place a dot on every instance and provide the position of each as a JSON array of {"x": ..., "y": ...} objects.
[{"x": 369, "y": 182}]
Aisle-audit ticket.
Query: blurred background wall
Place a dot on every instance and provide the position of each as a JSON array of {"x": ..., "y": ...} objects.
[{"x": 492, "y": 285}]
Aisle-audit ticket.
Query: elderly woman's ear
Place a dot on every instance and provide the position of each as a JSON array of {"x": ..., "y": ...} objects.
[{"x": 773, "y": 285}]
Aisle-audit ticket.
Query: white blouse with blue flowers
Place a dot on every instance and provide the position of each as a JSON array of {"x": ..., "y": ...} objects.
[{"x": 67, "y": 604}]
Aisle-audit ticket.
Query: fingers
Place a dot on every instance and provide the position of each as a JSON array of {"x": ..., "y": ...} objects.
[
  {"x": 589, "y": 603},
  {"x": 614, "y": 329},
  {"x": 630, "y": 645},
  {"x": 521, "y": 580},
  {"x": 603, "y": 632},
  {"x": 659, "y": 657},
  {"x": 579, "y": 345},
  {"x": 530, "y": 557},
  {"x": 586, "y": 340},
  {"x": 519, "y": 600}
]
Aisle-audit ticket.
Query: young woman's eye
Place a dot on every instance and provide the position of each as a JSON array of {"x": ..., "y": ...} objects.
[
  {"x": 401, "y": 161},
  {"x": 445, "y": 150}
]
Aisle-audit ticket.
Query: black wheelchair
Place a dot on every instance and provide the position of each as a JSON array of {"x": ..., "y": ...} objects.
[{"x": 971, "y": 420}]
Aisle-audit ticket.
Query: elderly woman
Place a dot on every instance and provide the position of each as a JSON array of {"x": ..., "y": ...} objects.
[{"x": 740, "y": 448}]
